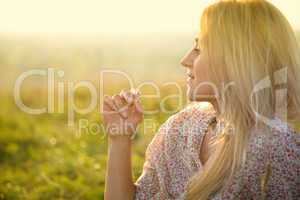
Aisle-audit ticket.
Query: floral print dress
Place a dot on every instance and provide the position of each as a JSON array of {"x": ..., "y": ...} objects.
[{"x": 172, "y": 158}]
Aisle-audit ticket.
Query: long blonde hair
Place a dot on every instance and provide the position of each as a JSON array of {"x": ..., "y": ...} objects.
[{"x": 246, "y": 41}]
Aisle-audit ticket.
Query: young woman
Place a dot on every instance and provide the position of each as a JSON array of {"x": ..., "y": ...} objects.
[{"x": 246, "y": 64}]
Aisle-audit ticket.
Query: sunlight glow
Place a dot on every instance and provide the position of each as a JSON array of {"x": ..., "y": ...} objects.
[{"x": 112, "y": 16}]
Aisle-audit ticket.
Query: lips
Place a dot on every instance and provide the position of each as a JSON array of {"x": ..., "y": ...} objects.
[{"x": 191, "y": 76}]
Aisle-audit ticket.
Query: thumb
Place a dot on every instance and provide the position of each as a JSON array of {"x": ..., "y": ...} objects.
[{"x": 138, "y": 106}]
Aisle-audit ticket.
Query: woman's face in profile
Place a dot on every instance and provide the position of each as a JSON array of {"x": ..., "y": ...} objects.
[{"x": 200, "y": 88}]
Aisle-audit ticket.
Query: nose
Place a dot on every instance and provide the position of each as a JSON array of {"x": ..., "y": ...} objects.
[{"x": 187, "y": 60}]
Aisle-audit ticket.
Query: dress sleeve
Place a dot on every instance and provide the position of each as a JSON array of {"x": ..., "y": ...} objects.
[
  {"x": 154, "y": 179},
  {"x": 271, "y": 170},
  {"x": 172, "y": 156},
  {"x": 284, "y": 165}
]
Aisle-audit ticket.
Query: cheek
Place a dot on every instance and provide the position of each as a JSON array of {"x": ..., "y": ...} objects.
[
  {"x": 202, "y": 85},
  {"x": 201, "y": 69}
]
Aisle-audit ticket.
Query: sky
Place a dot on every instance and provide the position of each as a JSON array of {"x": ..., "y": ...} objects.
[{"x": 113, "y": 16}]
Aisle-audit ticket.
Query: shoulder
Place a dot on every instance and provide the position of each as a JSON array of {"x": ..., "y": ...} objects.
[
  {"x": 195, "y": 113},
  {"x": 278, "y": 143},
  {"x": 284, "y": 146},
  {"x": 271, "y": 165},
  {"x": 181, "y": 143},
  {"x": 281, "y": 139},
  {"x": 184, "y": 134},
  {"x": 275, "y": 152},
  {"x": 184, "y": 129},
  {"x": 283, "y": 134},
  {"x": 193, "y": 117},
  {"x": 171, "y": 156}
]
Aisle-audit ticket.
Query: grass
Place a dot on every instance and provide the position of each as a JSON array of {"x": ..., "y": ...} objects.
[{"x": 42, "y": 158}]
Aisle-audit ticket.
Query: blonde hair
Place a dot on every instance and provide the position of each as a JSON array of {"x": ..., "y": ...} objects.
[{"x": 245, "y": 41}]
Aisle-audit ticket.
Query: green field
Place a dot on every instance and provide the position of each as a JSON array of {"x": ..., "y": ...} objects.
[{"x": 40, "y": 156}]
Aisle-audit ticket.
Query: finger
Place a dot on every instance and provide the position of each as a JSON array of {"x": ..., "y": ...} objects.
[
  {"x": 133, "y": 91},
  {"x": 109, "y": 101},
  {"x": 106, "y": 107},
  {"x": 122, "y": 92},
  {"x": 138, "y": 106},
  {"x": 120, "y": 104},
  {"x": 119, "y": 101},
  {"x": 128, "y": 97},
  {"x": 136, "y": 93},
  {"x": 124, "y": 95},
  {"x": 125, "y": 99}
]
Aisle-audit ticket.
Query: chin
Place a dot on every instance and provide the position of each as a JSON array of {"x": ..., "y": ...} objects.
[
  {"x": 199, "y": 97},
  {"x": 191, "y": 96}
]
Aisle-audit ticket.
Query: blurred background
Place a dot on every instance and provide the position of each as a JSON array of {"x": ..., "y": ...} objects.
[{"x": 41, "y": 157}]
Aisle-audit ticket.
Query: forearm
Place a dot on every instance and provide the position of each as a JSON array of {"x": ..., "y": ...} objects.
[{"x": 119, "y": 184}]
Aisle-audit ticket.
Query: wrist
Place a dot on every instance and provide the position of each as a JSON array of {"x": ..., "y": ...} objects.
[{"x": 120, "y": 140}]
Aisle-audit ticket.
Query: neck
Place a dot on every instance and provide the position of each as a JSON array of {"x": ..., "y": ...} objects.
[{"x": 216, "y": 106}]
